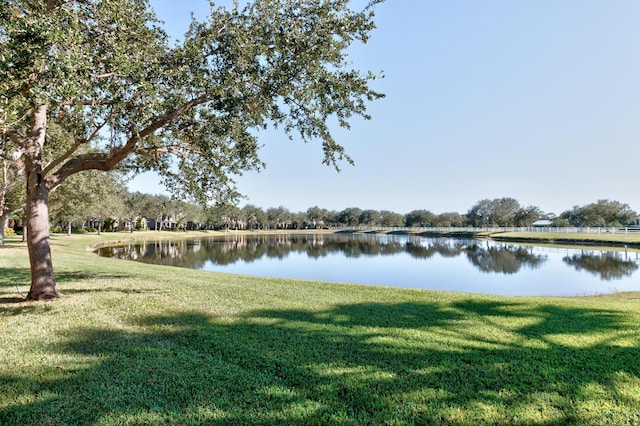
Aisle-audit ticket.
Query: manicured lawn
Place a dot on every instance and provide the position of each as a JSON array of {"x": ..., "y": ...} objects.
[
  {"x": 131, "y": 343},
  {"x": 618, "y": 238}
]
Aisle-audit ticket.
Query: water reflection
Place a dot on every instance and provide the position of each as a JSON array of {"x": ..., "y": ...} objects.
[
  {"x": 485, "y": 256},
  {"x": 606, "y": 265},
  {"x": 427, "y": 248},
  {"x": 194, "y": 253},
  {"x": 505, "y": 259}
]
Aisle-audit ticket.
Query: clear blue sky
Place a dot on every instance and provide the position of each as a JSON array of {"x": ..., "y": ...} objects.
[{"x": 538, "y": 100}]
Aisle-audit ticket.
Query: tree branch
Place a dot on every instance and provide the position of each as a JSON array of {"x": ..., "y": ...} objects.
[
  {"x": 16, "y": 137},
  {"x": 63, "y": 157},
  {"x": 86, "y": 102},
  {"x": 105, "y": 75},
  {"x": 162, "y": 150},
  {"x": 75, "y": 146},
  {"x": 4, "y": 188},
  {"x": 10, "y": 157},
  {"x": 106, "y": 161}
]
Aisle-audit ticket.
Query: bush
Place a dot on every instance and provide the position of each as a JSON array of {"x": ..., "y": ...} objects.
[{"x": 9, "y": 232}]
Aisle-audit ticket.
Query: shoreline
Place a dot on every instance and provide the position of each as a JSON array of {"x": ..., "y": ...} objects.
[
  {"x": 610, "y": 240},
  {"x": 620, "y": 240}
]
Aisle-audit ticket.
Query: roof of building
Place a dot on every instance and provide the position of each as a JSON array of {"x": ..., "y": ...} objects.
[{"x": 542, "y": 222}]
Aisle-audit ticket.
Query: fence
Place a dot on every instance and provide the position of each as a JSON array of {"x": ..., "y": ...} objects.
[{"x": 564, "y": 230}]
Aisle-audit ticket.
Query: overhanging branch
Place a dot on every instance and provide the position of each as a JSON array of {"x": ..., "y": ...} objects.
[
  {"x": 86, "y": 102},
  {"x": 75, "y": 146},
  {"x": 163, "y": 150},
  {"x": 107, "y": 161},
  {"x": 16, "y": 137}
]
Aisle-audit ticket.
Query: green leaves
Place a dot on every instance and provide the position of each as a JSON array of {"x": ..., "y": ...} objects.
[{"x": 111, "y": 81}]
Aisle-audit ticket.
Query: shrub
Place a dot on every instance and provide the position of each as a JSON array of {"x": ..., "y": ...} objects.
[{"x": 9, "y": 232}]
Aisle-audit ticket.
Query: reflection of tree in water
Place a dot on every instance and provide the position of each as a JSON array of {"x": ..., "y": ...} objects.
[
  {"x": 503, "y": 259},
  {"x": 248, "y": 248},
  {"x": 607, "y": 266},
  {"x": 445, "y": 247},
  {"x": 183, "y": 253},
  {"x": 353, "y": 246}
]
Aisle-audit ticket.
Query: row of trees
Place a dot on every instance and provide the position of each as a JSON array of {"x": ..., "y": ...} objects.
[
  {"x": 498, "y": 212},
  {"x": 101, "y": 200},
  {"x": 508, "y": 212}
]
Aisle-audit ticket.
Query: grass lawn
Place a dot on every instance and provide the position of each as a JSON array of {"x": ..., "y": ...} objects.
[
  {"x": 617, "y": 239},
  {"x": 131, "y": 343}
]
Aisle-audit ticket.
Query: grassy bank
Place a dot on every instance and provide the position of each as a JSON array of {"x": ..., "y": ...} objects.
[
  {"x": 131, "y": 343},
  {"x": 604, "y": 239},
  {"x": 618, "y": 239}
]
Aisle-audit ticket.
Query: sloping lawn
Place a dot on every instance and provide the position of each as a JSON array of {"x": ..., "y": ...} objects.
[
  {"x": 617, "y": 239},
  {"x": 134, "y": 344}
]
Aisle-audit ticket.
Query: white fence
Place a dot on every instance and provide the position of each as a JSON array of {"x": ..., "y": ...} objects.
[{"x": 564, "y": 230}]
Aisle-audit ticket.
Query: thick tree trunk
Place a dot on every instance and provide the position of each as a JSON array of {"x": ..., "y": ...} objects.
[{"x": 43, "y": 283}]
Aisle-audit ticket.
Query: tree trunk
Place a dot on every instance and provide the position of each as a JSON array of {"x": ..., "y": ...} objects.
[
  {"x": 43, "y": 283},
  {"x": 4, "y": 220}
]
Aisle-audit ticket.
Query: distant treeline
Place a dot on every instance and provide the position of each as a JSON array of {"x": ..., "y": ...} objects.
[
  {"x": 140, "y": 210},
  {"x": 104, "y": 203}
]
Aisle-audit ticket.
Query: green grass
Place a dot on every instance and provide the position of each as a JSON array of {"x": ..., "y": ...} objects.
[
  {"x": 134, "y": 344},
  {"x": 618, "y": 239}
]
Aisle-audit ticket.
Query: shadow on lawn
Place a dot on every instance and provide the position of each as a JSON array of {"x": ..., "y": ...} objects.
[
  {"x": 10, "y": 296},
  {"x": 354, "y": 364},
  {"x": 23, "y": 276}
]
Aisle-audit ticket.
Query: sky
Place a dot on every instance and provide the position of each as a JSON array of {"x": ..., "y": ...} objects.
[{"x": 537, "y": 100}]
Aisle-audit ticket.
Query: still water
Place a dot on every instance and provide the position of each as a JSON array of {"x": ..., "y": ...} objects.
[{"x": 475, "y": 266}]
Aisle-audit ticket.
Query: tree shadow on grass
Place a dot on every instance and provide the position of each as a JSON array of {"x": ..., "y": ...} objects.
[
  {"x": 407, "y": 363},
  {"x": 23, "y": 275},
  {"x": 549, "y": 319},
  {"x": 14, "y": 285}
]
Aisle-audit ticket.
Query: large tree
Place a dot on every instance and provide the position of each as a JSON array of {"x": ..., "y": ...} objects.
[
  {"x": 419, "y": 218},
  {"x": 389, "y": 218},
  {"x": 90, "y": 195},
  {"x": 370, "y": 217},
  {"x": 350, "y": 216},
  {"x": 254, "y": 216},
  {"x": 496, "y": 212},
  {"x": 104, "y": 72},
  {"x": 600, "y": 213},
  {"x": 279, "y": 217}
]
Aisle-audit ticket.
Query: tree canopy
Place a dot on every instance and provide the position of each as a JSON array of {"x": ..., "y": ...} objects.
[{"x": 600, "y": 213}]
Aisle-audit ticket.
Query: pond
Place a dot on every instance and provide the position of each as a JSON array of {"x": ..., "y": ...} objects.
[{"x": 476, "y": 266}]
